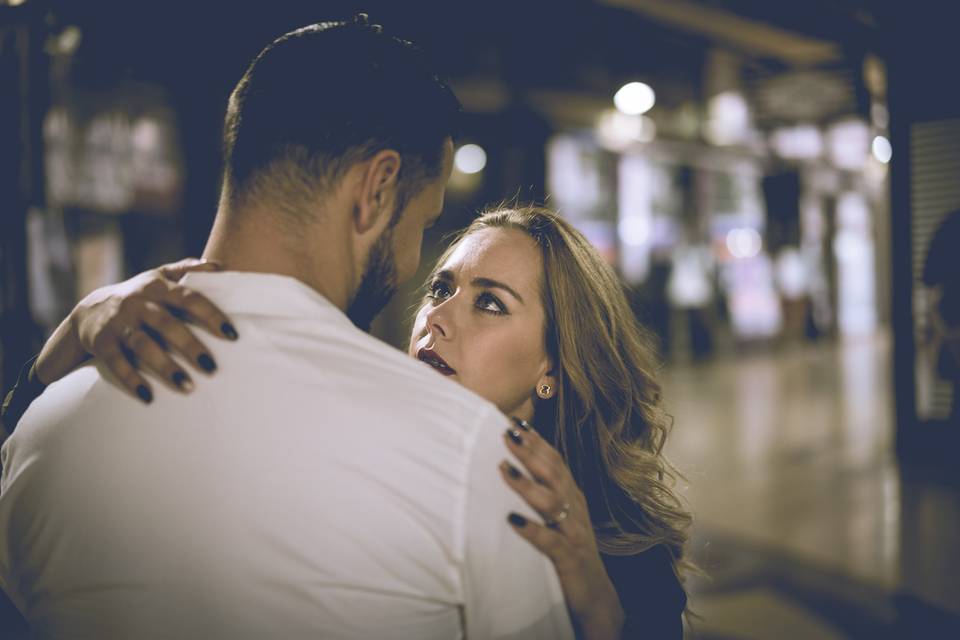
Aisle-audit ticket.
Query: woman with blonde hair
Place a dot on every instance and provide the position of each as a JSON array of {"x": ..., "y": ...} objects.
[{"x": 523, "y": 311}]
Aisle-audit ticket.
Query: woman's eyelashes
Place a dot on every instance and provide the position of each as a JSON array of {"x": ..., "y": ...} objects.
[
  {"x": 486, "y": 302},
  {"x": 489, "y": 303},
  {"x": 439, "y": 291}
]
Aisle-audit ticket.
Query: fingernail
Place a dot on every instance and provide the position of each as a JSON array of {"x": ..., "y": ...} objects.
[
  {"x": 515, "y": 436},
  {"x": 144, "y": 394},
  {"x": 207, "y": 363},
  {"x": 512, "y": 471},
  {"x": 229, "y": 331},
  {"x": 181, "y": 380},
  {"x": 517, "y": 520},
  {"x": 523, "y": 424}
]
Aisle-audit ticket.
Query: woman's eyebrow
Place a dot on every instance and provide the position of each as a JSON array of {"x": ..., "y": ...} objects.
[
  {"x": 489, "y": 283},
  {"x": 486, "y": 283}
]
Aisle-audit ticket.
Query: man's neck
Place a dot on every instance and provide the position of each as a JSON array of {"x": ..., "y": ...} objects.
[{"x": 252, "y": 241}]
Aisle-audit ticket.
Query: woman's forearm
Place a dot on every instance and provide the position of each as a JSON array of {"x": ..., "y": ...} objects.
[{"x": 604, "y": 620}]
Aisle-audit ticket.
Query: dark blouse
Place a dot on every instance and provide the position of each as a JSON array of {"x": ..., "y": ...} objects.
[
  {"x": 652, "y": 598},
  {"x": 650, "y": 593}
]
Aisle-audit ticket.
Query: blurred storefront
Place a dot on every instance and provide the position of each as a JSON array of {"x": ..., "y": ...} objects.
[
  {"x": 734, "y": 172},
  {"x": 742, "y": 193}
]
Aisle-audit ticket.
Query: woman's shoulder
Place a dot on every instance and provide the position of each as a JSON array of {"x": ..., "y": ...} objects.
[{"x": 651, "y": 594}]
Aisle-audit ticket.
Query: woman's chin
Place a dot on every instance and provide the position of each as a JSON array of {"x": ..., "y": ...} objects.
[{"x": 523, "y": 411}]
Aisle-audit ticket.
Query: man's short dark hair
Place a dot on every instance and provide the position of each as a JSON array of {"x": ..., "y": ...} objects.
[{"x": 321, "y": 98}]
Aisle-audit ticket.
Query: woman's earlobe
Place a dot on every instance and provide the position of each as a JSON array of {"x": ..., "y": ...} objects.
[
  {"x": 547, "y": 387},
  {"x": 545, "y": 391}
]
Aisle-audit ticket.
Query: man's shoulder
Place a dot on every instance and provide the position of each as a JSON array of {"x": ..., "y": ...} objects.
[
  {"x": 425, "y": 392},
  {"x": 390, "y": 373},
  {"x": 42, "y": 426},
  {"x": 62, "y": 397}
]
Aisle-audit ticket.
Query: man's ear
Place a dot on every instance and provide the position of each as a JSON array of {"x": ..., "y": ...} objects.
[{"x": 377, "y": 190}]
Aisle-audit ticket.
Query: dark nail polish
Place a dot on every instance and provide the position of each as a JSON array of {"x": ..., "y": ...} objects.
[
  {"x": 513, "y": 472},
  {"x": 229, "y": 331},
  {"x": 523, "y": 424},
  {"x": 517, "y": 520},
  {"x": 207, "y": 363},
  {"x": 144, "y": 394},
  {"x": 515, "y": 436},
  {"x": 181, "y": 380}
]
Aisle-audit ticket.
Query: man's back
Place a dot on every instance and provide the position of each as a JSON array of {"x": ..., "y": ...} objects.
[{"x": 321, "y": 484}]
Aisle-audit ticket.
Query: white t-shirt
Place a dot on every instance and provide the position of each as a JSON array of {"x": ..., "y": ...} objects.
[{"x": 320, "y": 485}]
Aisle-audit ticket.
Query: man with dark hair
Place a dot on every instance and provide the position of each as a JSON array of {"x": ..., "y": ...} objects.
[
  {"x": 322, "y": 484},
  {"x": 294, "y": 129}
]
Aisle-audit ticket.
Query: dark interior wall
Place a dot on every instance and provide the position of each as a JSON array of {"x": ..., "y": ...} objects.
[{"x": 921, "y": 50}]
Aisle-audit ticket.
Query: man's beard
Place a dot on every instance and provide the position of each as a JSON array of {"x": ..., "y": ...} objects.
[{"x": 378, "y": 284}]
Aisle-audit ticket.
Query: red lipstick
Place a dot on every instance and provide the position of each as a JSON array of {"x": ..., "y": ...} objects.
[{"x": 433, "y": 359}]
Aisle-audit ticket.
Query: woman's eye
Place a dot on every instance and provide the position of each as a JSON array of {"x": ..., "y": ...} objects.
[
  {"x": 439, "y": 290},
  {"x": 489, "y": 303}
]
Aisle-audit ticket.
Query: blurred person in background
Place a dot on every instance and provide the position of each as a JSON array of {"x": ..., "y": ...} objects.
[
  {"x": 523, "y": 311},
  {"x": 690, "y": 289},
  {"x": 941, "y": 272},
  {"x": 324, "y": 484},
  {"x": 792, "y": 284}
]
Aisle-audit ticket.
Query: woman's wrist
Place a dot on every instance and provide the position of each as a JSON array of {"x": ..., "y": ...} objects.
[
  {"x": 604, "y": 619},
  {"x": 61, "y": 353},
  {"x": 602, "y": 628}
]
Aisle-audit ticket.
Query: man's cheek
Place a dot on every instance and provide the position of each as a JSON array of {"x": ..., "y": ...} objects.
[{"x": 412, "y": 260}]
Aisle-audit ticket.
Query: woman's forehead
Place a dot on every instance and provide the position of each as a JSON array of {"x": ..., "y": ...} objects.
[{"x": 497, "y": 253}]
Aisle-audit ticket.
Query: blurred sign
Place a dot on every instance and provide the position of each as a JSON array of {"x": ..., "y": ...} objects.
[
  {"x": 113, "y": 156},
  {"x": 804, "y": 96}
]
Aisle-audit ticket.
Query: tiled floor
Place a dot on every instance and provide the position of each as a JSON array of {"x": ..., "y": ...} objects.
[{"x": 806, "y": 524}]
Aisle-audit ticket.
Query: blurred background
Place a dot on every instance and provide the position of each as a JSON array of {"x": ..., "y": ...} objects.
[{"x": 774, "y": 182}]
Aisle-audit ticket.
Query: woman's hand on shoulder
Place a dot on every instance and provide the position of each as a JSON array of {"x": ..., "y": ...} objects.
[
  {"x": 138, "y": 324},
  {"x": 566, "y": 535}
]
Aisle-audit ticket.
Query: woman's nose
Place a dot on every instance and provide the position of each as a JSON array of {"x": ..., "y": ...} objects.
[{"x": 438, "y": 321}]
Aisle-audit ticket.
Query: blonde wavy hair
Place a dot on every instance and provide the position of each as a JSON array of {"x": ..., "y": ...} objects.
[{"x": 606, "y": 418}]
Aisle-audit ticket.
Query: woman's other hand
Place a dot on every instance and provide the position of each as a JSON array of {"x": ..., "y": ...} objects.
[
  {"x": 566, "y": 536},
  {"x": 136, "y": 324}
]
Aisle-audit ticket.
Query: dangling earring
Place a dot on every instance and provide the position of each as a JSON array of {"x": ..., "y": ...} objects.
[{"x": 544, "y": 391}]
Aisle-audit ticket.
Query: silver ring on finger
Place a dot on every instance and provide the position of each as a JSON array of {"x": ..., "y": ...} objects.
[
  {"x": 559, "y": 517},
  {"x": 127, "y": 334}
]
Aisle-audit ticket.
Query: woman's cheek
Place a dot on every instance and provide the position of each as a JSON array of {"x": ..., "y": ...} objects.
[
  {"x": 416, "y": 333},
  {"x": 509, "y": 366}
]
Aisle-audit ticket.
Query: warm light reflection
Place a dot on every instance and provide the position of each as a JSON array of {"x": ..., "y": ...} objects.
[
  {"x": 882, "y": 150},
  {"x": 848, "y": 144},
  {"x": 799, "y": 142},
  {"x": 634, "y": 232},
  {"x": 618, "y": 132},
  {"x": 728, "y": 119},
  {"x": 744, "y": 243},
  {"x": 634, "y": 98},
  {"x": 470, "y": 158}
]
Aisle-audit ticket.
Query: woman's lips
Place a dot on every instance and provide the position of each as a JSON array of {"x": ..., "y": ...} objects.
[{"x": 433, "y": 359}]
